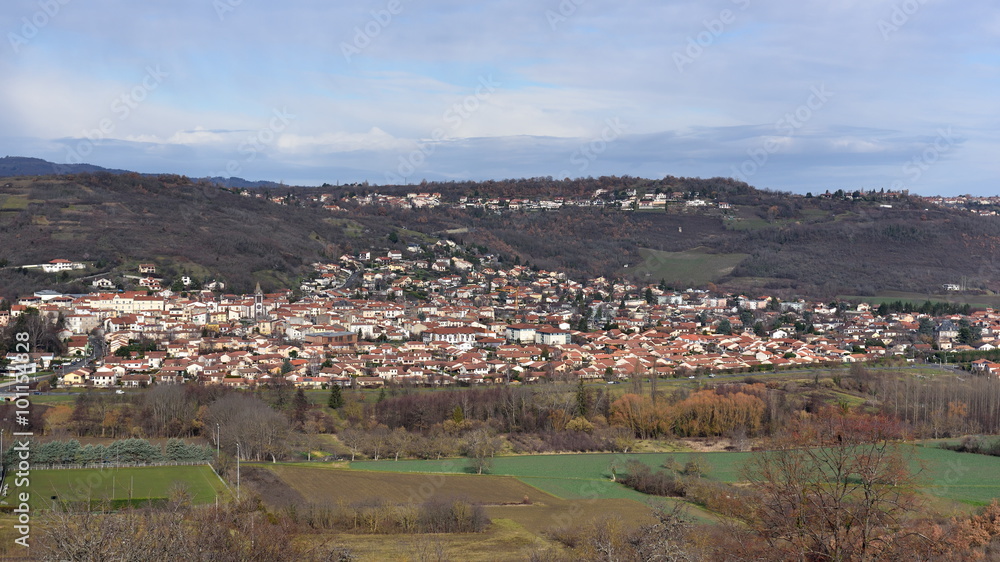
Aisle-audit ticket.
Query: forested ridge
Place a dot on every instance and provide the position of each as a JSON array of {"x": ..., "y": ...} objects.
[{"x": 811, "y": 246}]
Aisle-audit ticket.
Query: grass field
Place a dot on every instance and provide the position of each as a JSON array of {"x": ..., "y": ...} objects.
[
  {"x": 981, "y": 301},
  {"x": 123, "y": 483},
  {"x": 959, "y": 477},
  {"x": 14, "y": 202},
  {"x": 693, "y": 267}
]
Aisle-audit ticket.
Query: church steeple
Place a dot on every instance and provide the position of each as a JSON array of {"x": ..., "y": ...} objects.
[{"x": 258, "y": 303}]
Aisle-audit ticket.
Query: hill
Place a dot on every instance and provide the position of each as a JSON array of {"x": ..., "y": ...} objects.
[
  {"x": 715, "y": 230},
  {"x": 20, "y": 166},
  {"x": 11, "y": 166},
  {"x": 117, "y": 221}
]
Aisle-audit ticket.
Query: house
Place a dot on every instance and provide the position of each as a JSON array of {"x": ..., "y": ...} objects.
[
  {"x": 547, "y": 335},
  {"x": 947, "y": 331},
  {"x": 521, "y": 333},
  {"x": 333, "y": 339},
  {"x": 75, "y": 378},
  {"x": 58, "y": 265},
  {"x": 103, "y": 376},
  {"x": 452, "y": 334}
]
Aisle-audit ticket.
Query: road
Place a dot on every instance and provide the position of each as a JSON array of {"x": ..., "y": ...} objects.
[{"x": 96, "y": 350}]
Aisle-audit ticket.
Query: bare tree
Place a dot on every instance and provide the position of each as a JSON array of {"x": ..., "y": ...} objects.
[
  {"x": 481, "y": 446},
  {"x": 400, "y": 442},
  {"x": 839, "y": 490},
  {"x": 260, "y": 431},
  {"x": 353, "y": 439}
]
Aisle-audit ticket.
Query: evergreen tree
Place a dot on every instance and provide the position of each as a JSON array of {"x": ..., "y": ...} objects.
[
  {"x": 300, "y": 405},
  {"x": 581, "y": 400},
  {"x": 336, "y": 398}
]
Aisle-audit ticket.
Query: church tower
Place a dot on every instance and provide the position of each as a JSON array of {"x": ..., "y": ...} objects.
[{"x": 258, "y": 303}]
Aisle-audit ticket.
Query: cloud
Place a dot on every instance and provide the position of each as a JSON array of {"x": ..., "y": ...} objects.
[{"x": 563, "y": 68}]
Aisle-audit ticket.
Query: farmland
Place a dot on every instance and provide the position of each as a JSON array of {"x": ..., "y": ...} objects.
[
  {"x": 124, "y": 483},
  {"x": 505, "y": 496},
  {"x": 963, "y": 478},
  {"x": 521, "y": 513}
]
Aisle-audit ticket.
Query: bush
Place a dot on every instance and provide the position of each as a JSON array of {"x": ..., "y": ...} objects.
[
  {"x": 376, "y": 516},
  {"x": 660, "y": 483}
]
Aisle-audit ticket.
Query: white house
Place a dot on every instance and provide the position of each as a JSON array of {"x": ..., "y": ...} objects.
[{"x": 57, "y": 265}]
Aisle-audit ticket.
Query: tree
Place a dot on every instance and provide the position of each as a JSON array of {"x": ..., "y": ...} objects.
[
  {"x": 353, "y": 439},
  {"x": 481, "y": 446},
  {"x": 336, "y": 398},
  {"x": 582, "y": 400},
  {"x": 300, "y": 405},
  {"x": 400, "y": 442},
  {"x": 248, "y": 421},
  {"x": 377, "y": 441},
  {"x": 725, "y": 327},
  {"x": 838, "y": 488}
]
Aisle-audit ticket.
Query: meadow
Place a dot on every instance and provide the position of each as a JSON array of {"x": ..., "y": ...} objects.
[{"x": 693, "y": 267}]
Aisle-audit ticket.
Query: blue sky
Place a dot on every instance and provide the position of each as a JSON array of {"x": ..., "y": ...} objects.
[{"x": 798, "y": 96}]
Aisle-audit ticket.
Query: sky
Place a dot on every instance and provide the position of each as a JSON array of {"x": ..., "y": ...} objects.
[{"x": 800, "y": 96}]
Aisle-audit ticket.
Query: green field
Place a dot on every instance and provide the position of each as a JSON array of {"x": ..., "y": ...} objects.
[
  {"x": 14, "y": 202},
  {"x": 980, "y": 301},
  {"x": 693, "y": 267},
  {"x": 75, "y": 485},
  {"x": 962, "y": 477},
  {"x": 572, "y": 476}
]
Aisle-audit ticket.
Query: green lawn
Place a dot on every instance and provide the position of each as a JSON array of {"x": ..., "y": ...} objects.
[{"x": 122, "y": 483}]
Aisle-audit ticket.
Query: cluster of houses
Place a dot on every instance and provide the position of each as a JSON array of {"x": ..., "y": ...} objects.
[
  {"x": 982, "y": 206},
  {"x": 434, "y": 315},
  {"x": 627, "y": 200}
]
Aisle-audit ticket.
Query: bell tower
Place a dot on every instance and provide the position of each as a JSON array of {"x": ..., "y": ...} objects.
[{"x": 258, "y": 303}]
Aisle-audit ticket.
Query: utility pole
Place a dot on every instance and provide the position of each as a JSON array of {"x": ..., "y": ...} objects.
[
  {"x": 238, "y": 455},
  {"x": 218, "y": 436}
]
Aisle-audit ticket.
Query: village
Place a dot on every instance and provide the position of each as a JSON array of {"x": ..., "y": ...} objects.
[{"x": 441, "y": 315}]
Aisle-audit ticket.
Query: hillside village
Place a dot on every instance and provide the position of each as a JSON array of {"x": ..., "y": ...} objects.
[{"x": 443, "y": 314}]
